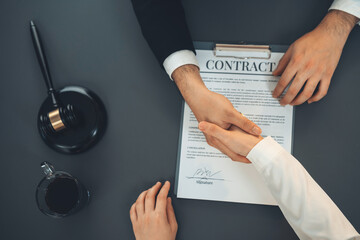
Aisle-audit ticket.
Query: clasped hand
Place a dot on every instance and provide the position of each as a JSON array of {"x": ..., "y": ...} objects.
[{"x": 212, "y": 107}]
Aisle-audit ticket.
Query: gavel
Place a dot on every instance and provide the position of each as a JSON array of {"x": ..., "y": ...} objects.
[{"x": 61, "y": 117}]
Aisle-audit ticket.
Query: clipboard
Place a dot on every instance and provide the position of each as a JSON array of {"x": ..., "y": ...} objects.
[
  {"x": 257, "y": 51},
  {"x": 243, "y": 51}
]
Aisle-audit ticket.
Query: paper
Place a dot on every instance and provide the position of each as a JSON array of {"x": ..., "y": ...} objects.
[{"x": 205, "y": 173}]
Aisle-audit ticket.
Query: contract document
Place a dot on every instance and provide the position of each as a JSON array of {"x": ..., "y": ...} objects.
[{"x": 205, "y": 173}]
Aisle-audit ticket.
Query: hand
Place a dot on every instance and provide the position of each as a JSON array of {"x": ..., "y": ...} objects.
[
  {"x": 209, "y": 106},
  {"x": 234, "y": 142},
  {"x": 312, "y": 59},
  {"x": 152, "y": 217}
]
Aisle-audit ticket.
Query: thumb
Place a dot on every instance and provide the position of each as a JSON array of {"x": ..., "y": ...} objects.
[
  {"x": 171, "y": 214},
  {"x": 244, "y": 123},
  {"x": 214, "y": 131}
]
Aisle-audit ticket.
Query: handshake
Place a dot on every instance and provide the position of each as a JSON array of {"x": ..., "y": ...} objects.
[
  {"x": 219, "y": 120},
  {"x": 223, "y": 126}
]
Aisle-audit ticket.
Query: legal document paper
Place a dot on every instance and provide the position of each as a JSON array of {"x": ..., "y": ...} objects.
[{"x": 205, "y": 173}]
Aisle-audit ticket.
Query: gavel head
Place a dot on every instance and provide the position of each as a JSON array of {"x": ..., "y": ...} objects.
[{"x": 58, "y": 120}]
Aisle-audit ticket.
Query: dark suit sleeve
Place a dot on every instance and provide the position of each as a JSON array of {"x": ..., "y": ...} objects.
[{"x": 164, "y": 27}]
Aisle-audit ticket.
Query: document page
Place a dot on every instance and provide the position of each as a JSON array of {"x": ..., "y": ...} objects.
[{"x": 205, "y": 173}]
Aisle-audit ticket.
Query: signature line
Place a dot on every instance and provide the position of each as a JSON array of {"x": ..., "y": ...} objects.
[{"x": 206, "y": 178}]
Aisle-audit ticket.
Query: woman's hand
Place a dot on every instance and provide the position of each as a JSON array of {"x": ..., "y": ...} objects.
[{"x": 153, "y": 216}]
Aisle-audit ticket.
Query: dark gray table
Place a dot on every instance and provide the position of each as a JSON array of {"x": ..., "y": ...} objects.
[{"x": 98, "y": 44}]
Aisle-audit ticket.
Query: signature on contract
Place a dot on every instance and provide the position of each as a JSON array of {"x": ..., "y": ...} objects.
[{"x": 203, "y": 173}]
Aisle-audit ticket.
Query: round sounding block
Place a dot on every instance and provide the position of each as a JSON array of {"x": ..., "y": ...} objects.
[{"x": 91, "y": 124}]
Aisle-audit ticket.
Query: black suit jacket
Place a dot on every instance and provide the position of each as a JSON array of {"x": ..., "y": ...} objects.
[{"x": 164, "y": 26}]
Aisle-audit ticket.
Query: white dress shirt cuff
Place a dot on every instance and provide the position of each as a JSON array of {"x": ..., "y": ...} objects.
[
  {"x": 350, "y": 6},
  {"x": 264, "y": 152},
  {"x": 178, "y": 59}
]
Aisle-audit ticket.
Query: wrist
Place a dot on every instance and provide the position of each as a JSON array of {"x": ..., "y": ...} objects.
[
  {"x": 253, "y": 141},
  {"x": 337, "y": 24},
  {"x": 188, "y": 80}
]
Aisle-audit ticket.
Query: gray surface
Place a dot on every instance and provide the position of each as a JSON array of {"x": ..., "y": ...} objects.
[{"x": 98, "y": 44}]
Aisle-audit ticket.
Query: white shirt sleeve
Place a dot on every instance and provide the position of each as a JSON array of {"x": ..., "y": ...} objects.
[
  {"x": 350, "y": 6},
  {"x": 307, "y": 208},
  {"x": 178, "y": 59}
]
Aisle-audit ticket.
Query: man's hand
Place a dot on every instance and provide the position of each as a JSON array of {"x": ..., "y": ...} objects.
[
  {"x": 153, "y": 217},
  {"x": 209, "y": 106},
  {"x": 311, "y": 60},
  {"x": 234, "y": 142}
]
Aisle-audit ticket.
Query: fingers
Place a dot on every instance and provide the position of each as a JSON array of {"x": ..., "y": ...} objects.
[
  {"x": 283, "y": 63},
  {"x": 162, "y": 196},
  {"x": 150, "y": 197},
  {"x": 285, "y": 79},
  {"x": 213, "y": 130},
  {"x": 323, "y": 89},
  {"x": 146, "y": 200},
  {"x": 140, "y": 204},
  {"x": 308, "y": 91},
  {"x": 245, "y": 124},
  {"x": 171, "y": 214},
  {"x": 231, "y": 154},
  {"x": 295, "y": 87},
  {"x": 133, "y": 216},
  {"x": 221, "y": 139}
]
